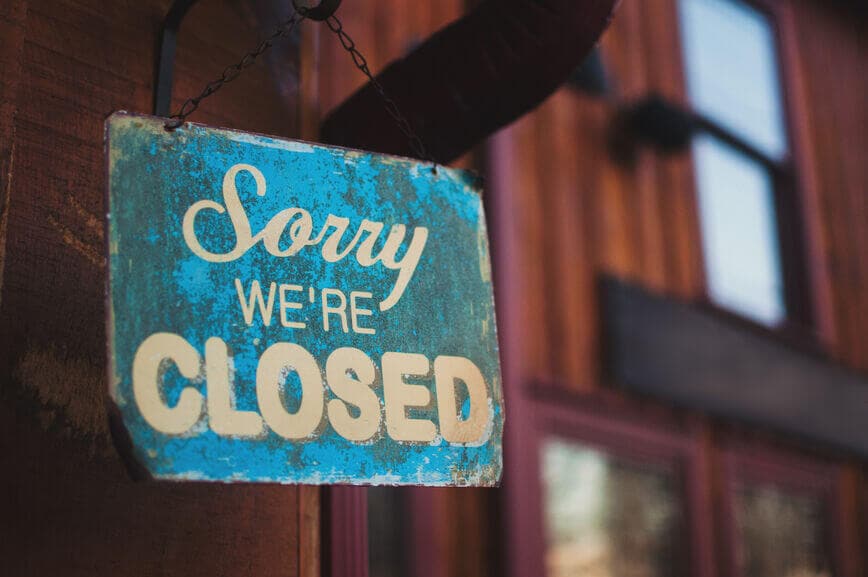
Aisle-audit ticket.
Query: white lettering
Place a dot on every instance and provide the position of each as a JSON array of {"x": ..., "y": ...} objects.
[
  {"x": 355, "y": 410},
  {"x": 276, "y": 363},
  {"x": 447, "y": 370},
  {"x": 356, "y": 311},
  {"x": 223, "y": 418},
  {"x": 286, "y": 304},
  {"x": 353, "y": 390},
  {"x": 148, "y": 376},
  {"x": 299, "y": 224},
  {"x": 248, "y": 303},
  {"x": 399, "y": 395}
]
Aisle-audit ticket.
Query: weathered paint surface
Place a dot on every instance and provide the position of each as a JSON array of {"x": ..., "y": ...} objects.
[{"x": 158, "y": 285}]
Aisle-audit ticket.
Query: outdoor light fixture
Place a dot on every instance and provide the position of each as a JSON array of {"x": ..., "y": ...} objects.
[
  {"x": 661, "y": 124},
  {"x": 652, "y": 121}
]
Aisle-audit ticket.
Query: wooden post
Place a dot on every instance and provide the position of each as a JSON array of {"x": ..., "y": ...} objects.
[{"x": 68, "y": 504}]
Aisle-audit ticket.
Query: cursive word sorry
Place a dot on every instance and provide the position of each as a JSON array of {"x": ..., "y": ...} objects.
[{"x": 298, "y": 223}]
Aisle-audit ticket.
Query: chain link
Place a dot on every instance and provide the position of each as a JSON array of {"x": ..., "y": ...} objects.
[
  {"x": 390, "y": 105},
  {"x": 232, "y": 72}
]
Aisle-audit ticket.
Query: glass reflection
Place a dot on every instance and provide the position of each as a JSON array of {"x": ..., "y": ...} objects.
[
  {"x": 739, "y": 232},
  {"x": 607, "y": 517},
  {"x": 782, "y": 534},
  {"x": 732, "y": 72}
]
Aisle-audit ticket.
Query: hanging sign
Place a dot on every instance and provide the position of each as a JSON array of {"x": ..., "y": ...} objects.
[{"x": 290, "y": 312}]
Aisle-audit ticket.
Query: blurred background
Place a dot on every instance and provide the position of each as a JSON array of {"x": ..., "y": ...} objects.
[
  {"x": 680, "y": 238},
  {"x": 680, "y": 248}
]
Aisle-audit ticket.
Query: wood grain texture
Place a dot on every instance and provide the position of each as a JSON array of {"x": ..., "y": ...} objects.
[
  {"x": 582, "y": 211},
  {"x": 569, "y": 242},
  {"x": 347, "y": 531},
  {"x": 833, "y": 72},
  {"x": 69, "y": 505},
  {"x": 12, "y": 17},
  {"x": 529, "y": 227},
  {"x": 674, "y": 175},
  {"x": 642, "y": 216}
]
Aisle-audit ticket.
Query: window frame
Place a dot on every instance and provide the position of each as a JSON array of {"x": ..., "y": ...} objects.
[
  {"x": 604, "y": 424},
  {"x": 807, "y": 314},
  {"x": 752, "y": 463}
]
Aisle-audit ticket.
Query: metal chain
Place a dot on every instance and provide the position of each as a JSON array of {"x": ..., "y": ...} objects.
[
  {"x": 390, "y": 105},
  {"x": 230, "y": 73}
]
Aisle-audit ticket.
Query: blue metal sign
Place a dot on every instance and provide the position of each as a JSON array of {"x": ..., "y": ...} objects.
[{"x": 290, "y": 312}]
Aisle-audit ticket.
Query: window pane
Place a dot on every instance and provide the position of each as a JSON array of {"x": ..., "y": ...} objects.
[
  {"x": 607, "y": 517},
  {"x": 739, "y": 234},
  {"x": 782, "y": 534},
  {"x": 732, "y": 72}
]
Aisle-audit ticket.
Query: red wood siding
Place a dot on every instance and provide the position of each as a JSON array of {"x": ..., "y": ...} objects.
[{"x": 565, "y": 212}]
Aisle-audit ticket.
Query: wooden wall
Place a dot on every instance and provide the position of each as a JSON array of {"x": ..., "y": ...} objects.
[
  {"x": 563, "y": 212},
  {"x": 563, "y": 209},
  {"x": 832, "y": 48},
  {"x": 68, "y": 505},
  {"x": 581, "y": 213},
  {"x": 577, "y": 213},
  {"x": 567, "y": 212}
]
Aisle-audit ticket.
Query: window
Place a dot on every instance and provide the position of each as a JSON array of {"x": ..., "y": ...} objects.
[
  {"x": 739, "y": 237},
  {"x": 750, "y": 249},
  {"x": 609, "y": 516},
  {"x": 732, "y": 76},
  {"x": 782, "y": 533},
  {"x": 779, "y": 514}
]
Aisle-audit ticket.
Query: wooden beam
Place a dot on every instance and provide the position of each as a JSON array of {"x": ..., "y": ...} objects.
[{"x": 699, "y": 359}]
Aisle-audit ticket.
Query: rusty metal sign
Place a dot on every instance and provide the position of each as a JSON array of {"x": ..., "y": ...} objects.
[{"x": 282, "y": 311}]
